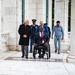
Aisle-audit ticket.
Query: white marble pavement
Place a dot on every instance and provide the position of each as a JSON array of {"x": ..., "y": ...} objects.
[{"x": 14, "y": 67}]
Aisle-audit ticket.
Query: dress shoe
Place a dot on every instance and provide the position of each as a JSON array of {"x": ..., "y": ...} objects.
[
  {"x": 39, "y": 57},
  {"x": 22, "y": 56},
  {"x": 26, "y": 57},
  {"x": 58, "y": 52},
  {"x": 55, "y": 51}
]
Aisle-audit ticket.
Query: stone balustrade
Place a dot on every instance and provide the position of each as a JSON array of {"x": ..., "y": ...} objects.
[{"x": 4, "y": 41}]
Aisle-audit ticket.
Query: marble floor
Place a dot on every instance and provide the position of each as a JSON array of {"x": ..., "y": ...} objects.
[{"x": 12, "y": 64}]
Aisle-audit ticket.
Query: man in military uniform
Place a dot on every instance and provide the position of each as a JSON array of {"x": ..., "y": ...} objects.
[{"x": 33, "y": 28}]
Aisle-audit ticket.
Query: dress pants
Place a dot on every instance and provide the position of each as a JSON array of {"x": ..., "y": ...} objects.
[{"x": 24, "y": 50}]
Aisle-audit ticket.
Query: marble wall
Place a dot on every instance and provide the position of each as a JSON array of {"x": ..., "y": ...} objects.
[
  {"x": 41, "y": 10},
  {"x": 0, "y": 25},
  {"x": 71, "y": 54},
  {"x": 11, "y": 19},
  {"x": 35, "y": 9},
  {"x": 30, "y": 10},
  {"x": 73, "y": 28}
]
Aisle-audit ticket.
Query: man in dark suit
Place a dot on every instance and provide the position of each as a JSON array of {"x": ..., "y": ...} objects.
[
  {"x": 24, "y": 32},
  {"x": 33, "y": 28},
  {"x": 41, "y": 39}
]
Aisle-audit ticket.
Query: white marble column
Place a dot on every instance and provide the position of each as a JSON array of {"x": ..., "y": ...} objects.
[
  {"x": 61, "y": 14},
  {"x": 0, "y": 24},
  {"x": 41, "y": 10},
  {"x": 35, "y": 9},
  {"x": 26, "y": 9},
  {"x": 71, "y": 56},
  {"x": 50, "y": 14},
  {"x": 18, "y": 20},
  {"x": 30, "y": 10}
]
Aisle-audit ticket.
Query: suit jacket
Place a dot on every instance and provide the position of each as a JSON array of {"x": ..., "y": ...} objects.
[
  {"x": 24, "y": 30},
  {"x": 37, "y": 39},
  {"x": 49, "y": 31},
  {"x": 45, "y": 29}
]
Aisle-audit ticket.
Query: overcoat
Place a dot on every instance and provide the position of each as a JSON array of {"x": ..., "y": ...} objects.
[{"x": 24, "y": 30}]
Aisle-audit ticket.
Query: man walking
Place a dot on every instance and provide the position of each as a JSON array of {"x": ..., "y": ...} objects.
[
  {"x": 59, "y": 34},
  {"x": 24, "y": 32},
  {"x": 42, "y": 26},
  {"x": 33, "y": 29}
]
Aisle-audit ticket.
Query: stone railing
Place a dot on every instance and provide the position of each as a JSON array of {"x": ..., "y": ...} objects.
[
  {"x": 5, "y": 37},
  {"x": 4, "y": 41}
]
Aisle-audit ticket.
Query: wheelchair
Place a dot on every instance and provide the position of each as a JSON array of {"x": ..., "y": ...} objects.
[{"x": 43, "y": 50}]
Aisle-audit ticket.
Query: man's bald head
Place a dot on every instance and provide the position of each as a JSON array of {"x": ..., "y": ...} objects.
[
  {"x": 41, "y": 23},
  {"x": 26, "y": 22}
]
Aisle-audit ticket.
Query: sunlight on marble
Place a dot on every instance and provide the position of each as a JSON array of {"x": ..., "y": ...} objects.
[{"x": 15, "y": 67}]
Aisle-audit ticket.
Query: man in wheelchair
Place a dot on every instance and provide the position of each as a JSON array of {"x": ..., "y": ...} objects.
[{"x": 41, "y": 43}]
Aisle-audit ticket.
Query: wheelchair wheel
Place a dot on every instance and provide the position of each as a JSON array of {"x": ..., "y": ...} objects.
[
  {"x": 49, "y": 52},
  {"x": 34, "y": 54},
  {"x": 48, "y": 56}
]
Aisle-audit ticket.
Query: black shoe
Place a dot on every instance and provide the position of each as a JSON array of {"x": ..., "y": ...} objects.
[
  {"x": 26, "y": 57},
  {"x": 58, "y": 52},
  {"x": 42, "y": 56},
  {"x": 22, "y": 56},
  {"x": 39, "y": 57},
  {"x": 55, "y": 51}
]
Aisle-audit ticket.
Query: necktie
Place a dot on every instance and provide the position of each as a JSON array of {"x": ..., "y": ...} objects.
[{"x": 42, "y": 35}]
